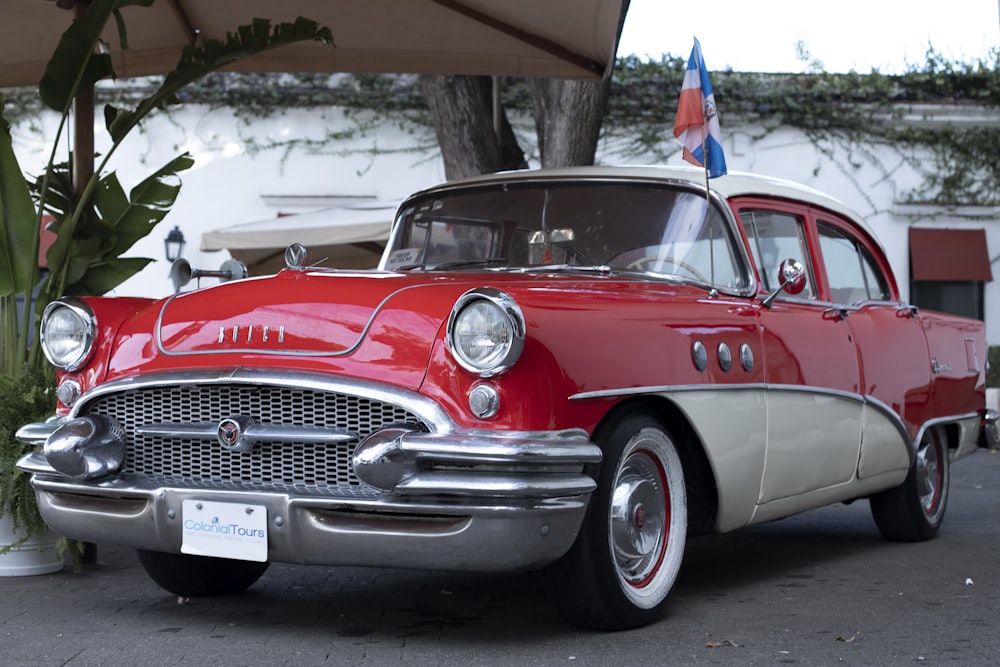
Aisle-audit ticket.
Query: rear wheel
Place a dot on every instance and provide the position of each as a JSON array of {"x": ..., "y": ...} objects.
[
  {"x": 198, "y": 576},
  {"x": 628, "y": 553},
  {"x": 913, "y": 512}
]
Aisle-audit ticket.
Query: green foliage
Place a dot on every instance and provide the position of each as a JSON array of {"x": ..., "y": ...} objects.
[
  {"x": 855, "y": 110},
  {"x": 197, "y": 61},
  {"x": 93, "y": 226},
  {"x": 76, "y": 63},
  {"x": 23, "y": 398},
  {"x": 108, "y": 225}
]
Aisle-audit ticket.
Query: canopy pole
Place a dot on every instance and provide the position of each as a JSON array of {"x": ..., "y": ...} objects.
[{"x": 83, "y": 125}]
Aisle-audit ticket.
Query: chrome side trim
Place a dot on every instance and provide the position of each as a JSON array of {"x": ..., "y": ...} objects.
[
  {"x": 255, "y": 432},
  {"x": 517, "y": 448},
  {"x": 960, "y": 420},
  {"x": 495, "y": 484},
  {"x": 891, "y": 414}
]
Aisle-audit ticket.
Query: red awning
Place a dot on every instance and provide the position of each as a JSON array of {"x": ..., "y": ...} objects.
[{"x": 949, "y": 255}]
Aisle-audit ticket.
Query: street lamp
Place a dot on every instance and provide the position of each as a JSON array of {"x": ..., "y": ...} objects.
[{"x": 173, "y": 245}]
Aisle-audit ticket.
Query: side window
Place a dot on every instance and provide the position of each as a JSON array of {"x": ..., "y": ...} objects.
[
  {"x": 775, "y": 236},
  {"x": 851, "y": 270}
]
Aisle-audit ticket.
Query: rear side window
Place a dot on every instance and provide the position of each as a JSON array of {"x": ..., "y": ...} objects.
[{"x": 851, "y": 271}]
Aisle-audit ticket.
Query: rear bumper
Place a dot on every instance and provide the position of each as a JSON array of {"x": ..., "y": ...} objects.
[{"x": 990, "y": 434}]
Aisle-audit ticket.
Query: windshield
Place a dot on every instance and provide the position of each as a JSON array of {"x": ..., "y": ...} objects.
[{"x": 652, "y": 228}]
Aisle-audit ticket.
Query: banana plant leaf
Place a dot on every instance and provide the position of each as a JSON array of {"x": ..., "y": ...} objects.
[
  {"x": 18, "y": 223},
  {"x": 113, "y": 226}
]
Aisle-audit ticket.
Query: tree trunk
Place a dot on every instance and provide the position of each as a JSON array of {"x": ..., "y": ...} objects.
[
  {"x": 568, "y": 117},
  {"x": 462, "y": 112}
]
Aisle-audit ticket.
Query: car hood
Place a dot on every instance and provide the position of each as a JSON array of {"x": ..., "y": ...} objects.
[
  {"x": 310, "y": 314},
  {"x": 375, "y": 325}
]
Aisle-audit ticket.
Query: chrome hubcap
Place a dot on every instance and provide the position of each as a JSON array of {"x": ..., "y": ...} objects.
[
  {"x": 640, "y": 517},
  {"x": 929, "y": 475}
]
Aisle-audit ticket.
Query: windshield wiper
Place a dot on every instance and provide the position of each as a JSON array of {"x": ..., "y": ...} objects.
[
  {"x": 462, "y": 263},
  {"x": 582, "y": 268}
]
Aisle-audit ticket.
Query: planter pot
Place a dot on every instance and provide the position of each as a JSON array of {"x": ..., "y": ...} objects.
[
  {"x": 27, "y": 559},
  {"x": 993, "y": 398}
]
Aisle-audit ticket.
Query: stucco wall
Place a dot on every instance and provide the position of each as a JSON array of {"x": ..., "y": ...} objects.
[{"x": 326, "y": 155}]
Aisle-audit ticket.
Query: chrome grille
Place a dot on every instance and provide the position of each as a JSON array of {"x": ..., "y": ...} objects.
[{"x": 274, "y": 465}]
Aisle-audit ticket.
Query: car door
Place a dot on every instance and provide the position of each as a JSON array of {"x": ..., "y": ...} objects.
[
  {"x": 891, "y": 343},
  {"x": 811, "y": 369}
]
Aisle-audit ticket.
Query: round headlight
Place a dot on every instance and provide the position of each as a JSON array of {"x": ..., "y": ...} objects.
[
  {"x": 67, "y": 333},
  {"x": 486, "y": 331}
]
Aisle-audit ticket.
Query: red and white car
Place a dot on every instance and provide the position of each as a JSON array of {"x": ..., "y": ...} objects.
[{"x": 570, "y": 369}]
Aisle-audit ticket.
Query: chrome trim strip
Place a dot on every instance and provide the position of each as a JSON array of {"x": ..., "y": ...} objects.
[
  {"x": 493, "y": 484},
  {"x": 950, "y": 419},
  {"x": 891, "y": 414},
  {"x": 503, "y": 448},
  {"x": 158, "y": 331},
  {"x": 256, "y": 431}
]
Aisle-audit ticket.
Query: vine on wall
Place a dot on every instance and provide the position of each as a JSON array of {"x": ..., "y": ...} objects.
[{"x": 859, "y": 111}]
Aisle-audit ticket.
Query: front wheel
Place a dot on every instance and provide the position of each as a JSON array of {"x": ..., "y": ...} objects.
[
  {"x": 625, "y": 560},
  {"x": 199, "y": 576},
  {"x": 913, "y": 512}
]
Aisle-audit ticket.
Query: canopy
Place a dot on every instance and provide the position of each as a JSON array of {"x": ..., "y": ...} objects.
[
  {"x": 541, "y": 38},
  {"x": 346, "y": 237}
]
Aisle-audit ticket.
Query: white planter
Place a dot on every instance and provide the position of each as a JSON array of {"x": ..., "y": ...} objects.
[
  {"x": 27, "y": 559},
  {"x": 993, "y": 399}
]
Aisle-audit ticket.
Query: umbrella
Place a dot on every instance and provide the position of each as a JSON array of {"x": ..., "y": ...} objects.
[{"x": 540, "y": 38}]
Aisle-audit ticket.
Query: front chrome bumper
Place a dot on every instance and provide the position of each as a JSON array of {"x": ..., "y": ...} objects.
[{"x": 475, "y": 502}]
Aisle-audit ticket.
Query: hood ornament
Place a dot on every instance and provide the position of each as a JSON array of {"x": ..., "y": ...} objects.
[{"x": 295, "y": 256}]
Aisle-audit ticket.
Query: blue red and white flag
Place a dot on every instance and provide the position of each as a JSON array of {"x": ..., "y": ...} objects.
[{"x": 697, "y": 123}]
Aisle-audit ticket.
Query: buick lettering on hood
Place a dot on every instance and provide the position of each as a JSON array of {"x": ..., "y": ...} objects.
[{"x": 570, "y": 369}]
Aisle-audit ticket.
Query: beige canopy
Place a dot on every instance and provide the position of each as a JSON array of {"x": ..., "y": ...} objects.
[
  {"x": 542, "y": 38},
  {"x": 345, "y": 237}
]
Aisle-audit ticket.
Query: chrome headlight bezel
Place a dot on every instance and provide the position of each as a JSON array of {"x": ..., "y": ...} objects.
[
  {"x": 82, "y": 331},
  {"x": 485, "y": 317}
]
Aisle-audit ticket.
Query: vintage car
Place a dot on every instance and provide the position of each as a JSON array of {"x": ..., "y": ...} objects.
[{"x": 567, "y": 369}]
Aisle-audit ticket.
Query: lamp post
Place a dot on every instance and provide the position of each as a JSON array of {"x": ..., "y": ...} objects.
[{"x": 173, "y": 244}]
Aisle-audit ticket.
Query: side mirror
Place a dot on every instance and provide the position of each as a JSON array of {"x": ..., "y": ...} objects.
[{"x": 793, "y": 280}]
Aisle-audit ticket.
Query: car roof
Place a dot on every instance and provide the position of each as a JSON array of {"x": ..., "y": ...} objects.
[{"x": 733, "y": 184}]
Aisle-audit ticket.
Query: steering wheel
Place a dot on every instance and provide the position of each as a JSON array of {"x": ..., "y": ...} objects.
[{"x": 650, "y": 262}]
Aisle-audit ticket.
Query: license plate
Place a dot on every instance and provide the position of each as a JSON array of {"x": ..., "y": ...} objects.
[{"x": 224, "y": 530}]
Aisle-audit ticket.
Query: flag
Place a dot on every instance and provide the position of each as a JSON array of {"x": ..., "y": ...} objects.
[{"x": 697, "y": 123}]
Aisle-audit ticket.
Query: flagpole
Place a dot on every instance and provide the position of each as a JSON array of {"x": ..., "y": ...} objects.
[{"x": 708, "y": 205}]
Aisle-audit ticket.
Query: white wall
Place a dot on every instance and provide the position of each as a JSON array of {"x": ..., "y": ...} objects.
[{"x": 238, "y": 164}]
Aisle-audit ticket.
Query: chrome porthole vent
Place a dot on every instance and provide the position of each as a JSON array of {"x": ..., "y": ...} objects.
[
  {"x": 725, "y": 357},
  {"x": 699, "y": 355},
  {"x": 746, "y": 357}
]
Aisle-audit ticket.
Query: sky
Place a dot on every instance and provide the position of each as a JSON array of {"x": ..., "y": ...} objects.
[{"x": 761, "y": 36}]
